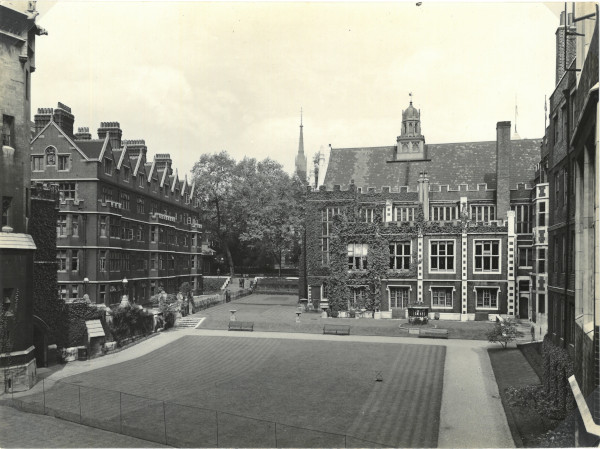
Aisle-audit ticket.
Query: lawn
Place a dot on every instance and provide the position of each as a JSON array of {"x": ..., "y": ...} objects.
[
  {"x": 277, "y": 313},
  {"x": 220, "y": 391}
]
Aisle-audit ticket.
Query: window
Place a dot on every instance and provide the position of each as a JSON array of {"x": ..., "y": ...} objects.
[
  {"x": 187, "y": 198},
  {"x": 141, "y": 180},
  {"x": 443, "y": 213},
  {"x": 50, "y": 156},
  {"x": 153, "y": 261},
  {"x": 542, "y": 214},
  {"x": 153, "y": 207},
  {"x": 161, "y": 236},
  {"x": 366, "y": 215},
  {"x": 61, "y": 226},
  {"x": 565, "y": 185},
  {"x": 115, "y": 227},
  {"x": 63, "y": 163},
  {"x": 487, "y": 298},
  {"x": 556, "y": 255},
  {"x": 172, "y": 262},
  {"x": 564, "y": 254},
  {"x": 441, "y": 255},
  {"x": 404, "y": 213},
  {"x": 400, "y": 256},
  {"x": 61, "y": 260},
  {"x": 555, "y": 124},
  {"x": 102, "y": 261},
  {"x": 557, "y": 178},
  {"x": 102, "y": 226},
  {"x": 74, "y": 291},
  {"x": 62, "y": 291},
  {"x": 8, "y": 123},
  {"x": 357, "y": 256},
  {"x": 6, "y": 201},
  {"x": 487, "y": 256},
  {"x": 126, "y": 231},
  {"x": 522, "y": 218},
  {"x": 326, "y": 223},
  {"x": 399, "y": 297},
  {"x": 358, "y": 298},
  {"x": 541, "y": 260},
  {"x": 153, "y": 234},
  {"x": 525, "y": 257},
  {"x": 114, "y": 261},
  {"x": 102, "y": 293},
  {"x": 66, "y": 190},
  {"x": 126, "y": 174},
  {"x": 140, "y": 233},
  {"x": 442, "y": 297},
  {"x": 108, "y": 166},
  {"x": 125, "y": 200},
  {"x": 140, "y": 205},
  {"x": 74, "y": 260},
  {"x": 75, "y": 225},
  {"x": 106, "y": 194},
  {"x": 37, "y": 163},
  {"x": 483, "y": 213}
]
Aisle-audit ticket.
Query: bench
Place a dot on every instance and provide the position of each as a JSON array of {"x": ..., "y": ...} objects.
[
  {"x": 241, "y": 326},
  {"x": 336, "y": 329},
  {"x": 433, "y": 333}
]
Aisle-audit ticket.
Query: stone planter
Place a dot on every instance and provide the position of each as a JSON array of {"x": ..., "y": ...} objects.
[{"x": 377, "y": 315}]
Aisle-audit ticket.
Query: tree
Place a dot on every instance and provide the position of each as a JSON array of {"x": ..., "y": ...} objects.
[
  {"x": 217, "y": 185},
  {"x": 504, "y": 332}
]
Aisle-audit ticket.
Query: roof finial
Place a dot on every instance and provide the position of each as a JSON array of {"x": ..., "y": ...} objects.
[
  {"x": 300, "y": 115},
  {"x": 410, "y": 95}
]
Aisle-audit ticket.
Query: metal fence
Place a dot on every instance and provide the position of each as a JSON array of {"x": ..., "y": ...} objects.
[{"x": 171, "y": 423}]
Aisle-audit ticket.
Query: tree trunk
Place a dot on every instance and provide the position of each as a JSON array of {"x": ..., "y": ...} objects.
[
  {"x": 229, "y": 259},
  {"x": 279, "y": 263}
]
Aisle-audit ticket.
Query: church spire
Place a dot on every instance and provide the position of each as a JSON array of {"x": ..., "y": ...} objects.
[{"x": 301, "y": 170}]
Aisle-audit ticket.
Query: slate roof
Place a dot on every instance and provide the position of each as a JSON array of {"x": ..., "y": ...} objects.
[
  {"x": 449, "y": 164},
  {"x": 91, "y": 148}
]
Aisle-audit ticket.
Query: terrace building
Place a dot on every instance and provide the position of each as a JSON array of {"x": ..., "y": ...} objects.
[
  {"x": 444, "y": 225},
  {"x": 127, "y": 224}
]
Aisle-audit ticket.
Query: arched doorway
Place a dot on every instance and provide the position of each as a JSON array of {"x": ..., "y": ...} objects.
[{"x": 40, "y": 340}]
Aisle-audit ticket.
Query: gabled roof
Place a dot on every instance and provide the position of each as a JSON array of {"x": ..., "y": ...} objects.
[
  {"x": 118, "y": 155},
  {"x": 448, "y": 164},
  {"x": 92, "y": 148},
  {"x": 66, "y": 136}
]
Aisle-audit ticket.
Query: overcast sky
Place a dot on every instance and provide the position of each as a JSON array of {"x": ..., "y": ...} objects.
[{"x": 195, "y": 78}]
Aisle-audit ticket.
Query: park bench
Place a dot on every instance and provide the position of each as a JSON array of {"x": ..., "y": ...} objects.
[
  {"x": 241, "y": 326},
  {"x": 433, "y": 333},
  {"x": 336, "y": 329}
]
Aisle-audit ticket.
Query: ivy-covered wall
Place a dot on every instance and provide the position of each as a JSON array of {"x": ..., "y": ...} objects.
[
  {"x": 47, "y": 304},
  {"x": 348, "y": 228}
]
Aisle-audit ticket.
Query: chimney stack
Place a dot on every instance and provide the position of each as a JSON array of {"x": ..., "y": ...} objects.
[
  {"x": 83, "y": 133},
  {"x": 42, "y": 118},
  {"x": 113, "y": 129},
  {"x": 135, "y": 147},
  {"x": 163, "y": 162},
  {"x": 562, "y": 40},
  {"x": 64, "y": 118},
  {"x": 503, "y": 161}
]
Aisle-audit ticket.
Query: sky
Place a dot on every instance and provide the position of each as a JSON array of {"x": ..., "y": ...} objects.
[{"x": 201, "y": 77}]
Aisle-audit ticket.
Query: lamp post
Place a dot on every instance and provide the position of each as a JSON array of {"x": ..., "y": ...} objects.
[
  {"x": 85, "y": 284},
  {"x": 124, "y": 297}
]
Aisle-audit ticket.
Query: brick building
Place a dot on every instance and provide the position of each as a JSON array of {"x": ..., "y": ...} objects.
[
  {"x": 570, "y": 164},
  {"x": 445, "y": 225},
  {"x": 18, "y": 31},
  {"x": 127, "y": 224}
]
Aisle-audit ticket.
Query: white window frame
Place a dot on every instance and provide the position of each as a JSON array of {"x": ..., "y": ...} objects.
[
  {"x": 352, "y": 304},
  {"x": 363, "y": 256},
  {"x": 58, "y": 159},
  {"x": 488, "y": 207},
  {"x": 37, "y": 157},
  {"x": 487, "y": 287},
  {"x": 454, "y": 256},
  {"x": 404, "y": 214},
  {"x": 408, "y": 288},
  {"x": 482, "y": 271},
  {"x": 444, "y": 212},
  {"x": 452, "y": 289}
]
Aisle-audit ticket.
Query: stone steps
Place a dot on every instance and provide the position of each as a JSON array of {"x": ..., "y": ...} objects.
[{"x": 187, "y": 322}]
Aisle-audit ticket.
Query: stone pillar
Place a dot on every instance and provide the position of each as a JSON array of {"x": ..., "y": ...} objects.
[
  {"x": 420, "y": 268},
  {"x": 389, "y": 211},
  {"x": 512, "y": 243},
  {"x": 464, "y": 276}
]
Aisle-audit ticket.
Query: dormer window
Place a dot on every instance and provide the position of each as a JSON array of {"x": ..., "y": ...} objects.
[
  {"x": 108, "y": 166},
  {"x": 141, "y": 181},
  {"x": 126, "y": 174}
]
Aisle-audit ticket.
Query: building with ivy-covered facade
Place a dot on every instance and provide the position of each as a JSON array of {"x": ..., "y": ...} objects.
[
  {"x": 448, "y": 226},
  {"x": 127, "y": 224}
]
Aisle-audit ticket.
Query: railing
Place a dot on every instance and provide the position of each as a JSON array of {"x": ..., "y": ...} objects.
[{"x": 171, "y": 423}]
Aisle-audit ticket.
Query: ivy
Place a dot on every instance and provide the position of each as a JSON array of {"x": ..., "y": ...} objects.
[{"x": 558, "y": 367}]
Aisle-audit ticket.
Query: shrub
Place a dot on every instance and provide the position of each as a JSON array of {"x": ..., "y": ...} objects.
[
  {"x": 130, "y": 321},
  {"x": 558, "y": 367},
  {"x": 169, "y": 316},
  {"x": 504, "y": 332}
]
